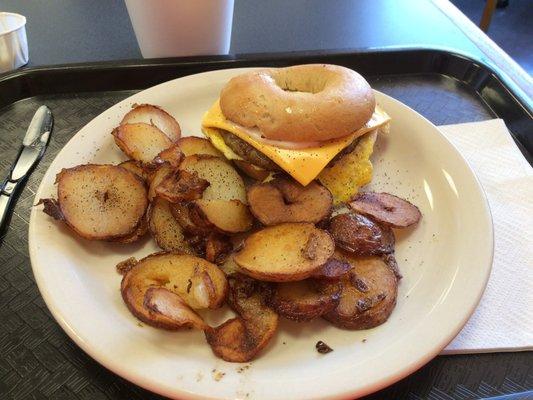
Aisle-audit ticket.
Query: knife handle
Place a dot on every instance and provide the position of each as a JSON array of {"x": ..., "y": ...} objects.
[{"x": 7, "y": 194}]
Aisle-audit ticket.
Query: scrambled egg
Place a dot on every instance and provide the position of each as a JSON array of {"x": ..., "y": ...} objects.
[
  {"x": 352, "y": 171},
  {"x": 218, "y": 142}
]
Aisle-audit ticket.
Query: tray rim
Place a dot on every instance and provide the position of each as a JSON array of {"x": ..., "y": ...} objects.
[
  {"x": 511, "y": 103},
  {"x": 228, "y": 60}
]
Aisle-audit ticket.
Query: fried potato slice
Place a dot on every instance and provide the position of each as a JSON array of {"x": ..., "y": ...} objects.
[
  {"x": 141, "y": 230},
  {"x": 284, "y": 200},
  {"x": 334, "y": 268},
  {"x": 229, "y": 266},
  {"x": 368, "y": 294},
  {"x": 386, "y": 208},
  {"x": 226, "y": 216},
  {"x": 157, "y": 177},
  {"x": 141, "y": 142},
  {"x": 173, "y": 156},
  {"x": 241, "y": 339},
  {"x": 390, "y": 260},
  {"x": 166, "y": 231},
  {"x": 100, "y": 202},
  {"x": 154, "y": 115},
  {"x": 217, "y": 248},
  {"x": 181, "y": 186},
  {"x": 361, "y": 235},
  {"x": 351, "y": 171},
  {"x": 304, "y": 300},
  {"x": 232, "y": 342},
  {"x": 137, "y": 168},
  {"x": 285, "y": 252},
  {"x": 225, "y": 183},
  {"x": 191, "y": 145},
  {"x": 182, "y": 213},
  {"x": 170, "y": 308},
  {"x": 198, "y": 282}
]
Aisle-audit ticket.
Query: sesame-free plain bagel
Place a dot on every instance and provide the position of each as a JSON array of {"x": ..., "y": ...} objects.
[{"x": 303, "y": 103}]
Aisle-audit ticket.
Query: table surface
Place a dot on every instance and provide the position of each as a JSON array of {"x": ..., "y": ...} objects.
[
  {"x": 100, "y": 30},
  {"x": 62, "y": 32},
  {"x": 77, "y": 31}
]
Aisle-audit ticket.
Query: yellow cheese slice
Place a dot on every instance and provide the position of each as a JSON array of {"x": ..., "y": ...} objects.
[{"x": 304, "y": 165}]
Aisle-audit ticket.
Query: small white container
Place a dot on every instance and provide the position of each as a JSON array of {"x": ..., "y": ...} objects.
[
  {"x": 172, "y": 28},
  {"x": 13, "y": 41}
]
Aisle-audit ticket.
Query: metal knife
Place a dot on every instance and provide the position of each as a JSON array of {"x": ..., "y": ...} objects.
[{"x": 32, "y": 149}]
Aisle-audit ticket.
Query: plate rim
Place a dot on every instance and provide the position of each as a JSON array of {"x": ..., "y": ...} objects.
[{"x": 173, "y": 391}]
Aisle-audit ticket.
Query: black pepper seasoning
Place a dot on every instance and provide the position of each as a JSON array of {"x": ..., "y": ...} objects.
[{"x": 322, "y": 347}]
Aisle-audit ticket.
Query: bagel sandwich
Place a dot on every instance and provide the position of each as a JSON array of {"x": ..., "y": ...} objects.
[{"x": 311, "y": 121}]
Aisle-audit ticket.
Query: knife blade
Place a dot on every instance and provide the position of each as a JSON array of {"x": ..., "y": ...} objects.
[{"x": 31, "y": 151}]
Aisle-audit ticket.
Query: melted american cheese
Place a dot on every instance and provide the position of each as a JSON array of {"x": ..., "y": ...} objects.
[{"x": 304, "y": 165}]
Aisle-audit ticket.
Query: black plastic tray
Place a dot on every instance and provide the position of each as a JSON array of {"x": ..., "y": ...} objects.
[
  {"x": 38, "y": 360},
  {"x": 488, "y": 86}
]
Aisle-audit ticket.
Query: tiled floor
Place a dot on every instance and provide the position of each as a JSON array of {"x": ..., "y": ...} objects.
[{"x": 511, "y": 27}]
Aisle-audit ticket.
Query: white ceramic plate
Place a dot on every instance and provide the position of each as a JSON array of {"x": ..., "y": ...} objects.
[{"x": 445, "y": 261}]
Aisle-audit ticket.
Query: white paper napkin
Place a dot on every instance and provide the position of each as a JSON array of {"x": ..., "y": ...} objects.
[{"x": 503, "y": 321}]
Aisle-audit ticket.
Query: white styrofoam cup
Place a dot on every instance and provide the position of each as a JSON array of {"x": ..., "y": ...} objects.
[
  {"x": 13, "y": 41},
  {"x": 172, "y": 28}
]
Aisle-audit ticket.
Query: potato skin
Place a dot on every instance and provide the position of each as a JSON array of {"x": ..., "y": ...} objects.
[
  {"x": 368, "y": 295},
  {"x": 141, "y": 230},
  {"x": 231, "y": 342},
  {"x": 165, "y": 230},
  {"x": 362, "y": 321},
  {"x": 184, "y": 213},
  {"x": 361, "y": 235},
  {"x": 241, "y": 339},
  {"x": 181, "y": 186},
  {"x": 170, "y": 306},
  {"x": 333, "y": 269},
  {"x": 137, "y": 168},
  {"x": 303, "y": 300}
]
